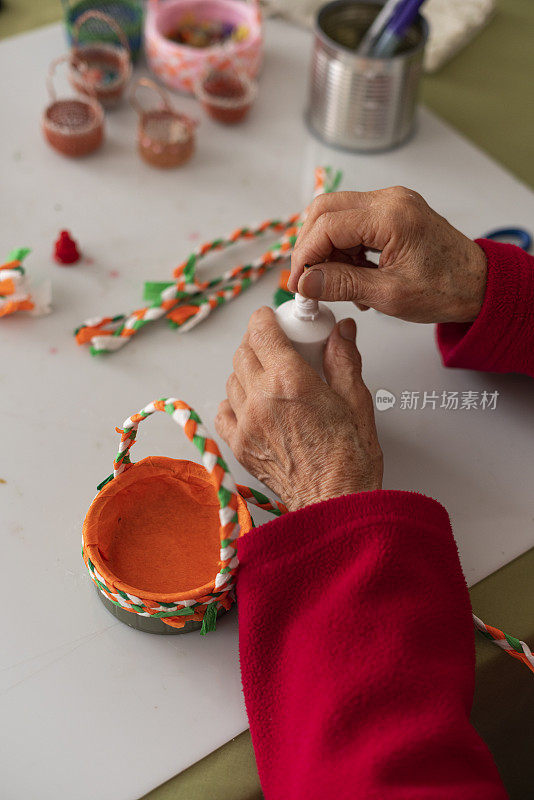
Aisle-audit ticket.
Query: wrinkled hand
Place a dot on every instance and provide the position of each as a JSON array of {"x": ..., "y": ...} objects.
[
  {"x": 305, "y": 439},
  {"x": 428, "y": 271}
]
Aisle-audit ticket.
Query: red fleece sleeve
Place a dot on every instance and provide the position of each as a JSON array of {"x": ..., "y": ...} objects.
[
  {"x": 357, "y": 654},
  {"x": 501, "y": 339}
]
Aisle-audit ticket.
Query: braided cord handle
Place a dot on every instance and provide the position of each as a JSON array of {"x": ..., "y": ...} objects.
[
  {"x": 110, "y": 22},
  {"x": 214, "y": 464},
  {"x": 153, "y": 86},
  {"x": 51, "y": 74}
]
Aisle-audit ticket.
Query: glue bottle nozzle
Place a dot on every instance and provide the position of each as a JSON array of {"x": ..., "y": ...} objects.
[{"x": 305, "y": 307}]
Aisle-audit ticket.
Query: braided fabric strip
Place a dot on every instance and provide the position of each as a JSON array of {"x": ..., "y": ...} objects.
[
  {"x": 261, "y": 500},
  {"x": 14, "y": 288},
  {"x": 188, "y": 301},
  {"x": 514, "y": 647}
]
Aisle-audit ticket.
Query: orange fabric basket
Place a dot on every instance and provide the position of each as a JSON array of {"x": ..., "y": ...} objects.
[{"x": 160, "y": 538}]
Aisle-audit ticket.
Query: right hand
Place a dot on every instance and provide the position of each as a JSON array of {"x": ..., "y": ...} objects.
[
  {"x": 307, "y": 439},
  {"x": 428, "y": 270}
]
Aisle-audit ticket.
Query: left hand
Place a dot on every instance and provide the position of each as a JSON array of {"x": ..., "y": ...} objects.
[{"x": 306, "y": 439}]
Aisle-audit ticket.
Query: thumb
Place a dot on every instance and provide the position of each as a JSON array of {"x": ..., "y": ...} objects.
[
  {"x": 342, "y": 364},
  {"x": 337, "y": 281}
]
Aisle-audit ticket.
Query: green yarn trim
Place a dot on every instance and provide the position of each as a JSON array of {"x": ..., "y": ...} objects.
[{"x": 209, "y": 623}]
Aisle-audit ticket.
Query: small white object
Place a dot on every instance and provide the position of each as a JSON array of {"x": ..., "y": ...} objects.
[
  {"x": 42, "y": 297},
  {"x": 307, "y": 324}
]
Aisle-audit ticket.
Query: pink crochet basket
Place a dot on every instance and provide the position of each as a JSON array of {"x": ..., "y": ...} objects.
[{"x": 180, "y": 66}]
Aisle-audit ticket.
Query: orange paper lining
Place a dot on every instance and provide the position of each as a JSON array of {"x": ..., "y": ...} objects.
[{"x": 154, "y": 530}]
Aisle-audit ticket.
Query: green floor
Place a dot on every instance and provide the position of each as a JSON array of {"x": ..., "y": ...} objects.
[{"x": 483, "y": 92}]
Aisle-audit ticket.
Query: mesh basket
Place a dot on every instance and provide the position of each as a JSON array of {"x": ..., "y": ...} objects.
[
  {"x": 226, "y": 95},
  {"x": 128, "y": 14},
  {"x": 73, "y": 126},
  {"x": 166, "y": 138},
  {"x": 99, "y": 67}
]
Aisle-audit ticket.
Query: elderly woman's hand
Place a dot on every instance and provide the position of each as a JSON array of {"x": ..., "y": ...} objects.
[
  {"x": 306, "y": 439},
  {"x": 428, "y": 271}
]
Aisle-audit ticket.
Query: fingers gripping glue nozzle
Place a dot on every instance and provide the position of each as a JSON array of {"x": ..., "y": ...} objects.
[{"x": 307, "y": 324}]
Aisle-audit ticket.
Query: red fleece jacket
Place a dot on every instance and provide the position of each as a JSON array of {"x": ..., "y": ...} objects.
[{"x": 355, "y": 630}]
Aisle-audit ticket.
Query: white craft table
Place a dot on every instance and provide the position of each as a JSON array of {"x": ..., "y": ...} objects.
[{"x": 88, "y": 706}]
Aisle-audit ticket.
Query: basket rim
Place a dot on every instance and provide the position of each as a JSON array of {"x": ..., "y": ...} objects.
[
  {"x": 67, "y": 131},
  {"x": 250, "y": 85},
  {"x": 91, "y": 551},
  {"x": 186, "y": 122}
]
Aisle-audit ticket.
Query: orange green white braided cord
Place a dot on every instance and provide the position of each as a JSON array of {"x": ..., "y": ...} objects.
[
  {"x": 514, "y": 647},
  {"x": 188, "y": 301},
  {"x": 108, "y": 334},
  {"x": 14, "y": 290}
]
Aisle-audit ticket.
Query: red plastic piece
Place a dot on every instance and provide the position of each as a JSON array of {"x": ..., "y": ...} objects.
[{"x": 66, "y": 250}]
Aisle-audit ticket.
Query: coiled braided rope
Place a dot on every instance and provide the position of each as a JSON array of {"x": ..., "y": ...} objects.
[
  {"x": 222, "y": 594},
  {"x": 188, "y": 301}
]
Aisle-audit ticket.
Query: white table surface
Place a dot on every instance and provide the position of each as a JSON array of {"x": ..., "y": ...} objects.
[{"x": 89, "y": 707}]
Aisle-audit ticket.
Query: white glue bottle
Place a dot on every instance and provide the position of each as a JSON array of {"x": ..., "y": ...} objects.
[{"x": 307, "y": 324}]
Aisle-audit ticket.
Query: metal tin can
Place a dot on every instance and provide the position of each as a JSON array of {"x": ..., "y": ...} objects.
[{"x": 356, "y": 102}]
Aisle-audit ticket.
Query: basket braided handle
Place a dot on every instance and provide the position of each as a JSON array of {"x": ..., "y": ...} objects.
[
  {"x": 110, "y": 22},
  {"x": 216, "y": 467},
  {"x": 146, "y": 82},
  {"x": 51, "y": 74}
]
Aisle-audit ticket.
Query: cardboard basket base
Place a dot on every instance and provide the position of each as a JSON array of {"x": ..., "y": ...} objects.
[{"x": 149, "y": 624}]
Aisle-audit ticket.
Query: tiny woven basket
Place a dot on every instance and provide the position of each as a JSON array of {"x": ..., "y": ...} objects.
[
  {"x": 165, "y": 137},
  {"x": 226, "y": 95},
  {"x": 72, "y": 126},
  {"x": 160, "y": 538},
  {"x": 128, "y": 14},
  {"x": 180, "y": 65},
  {"x": 99, "y": 67}
]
